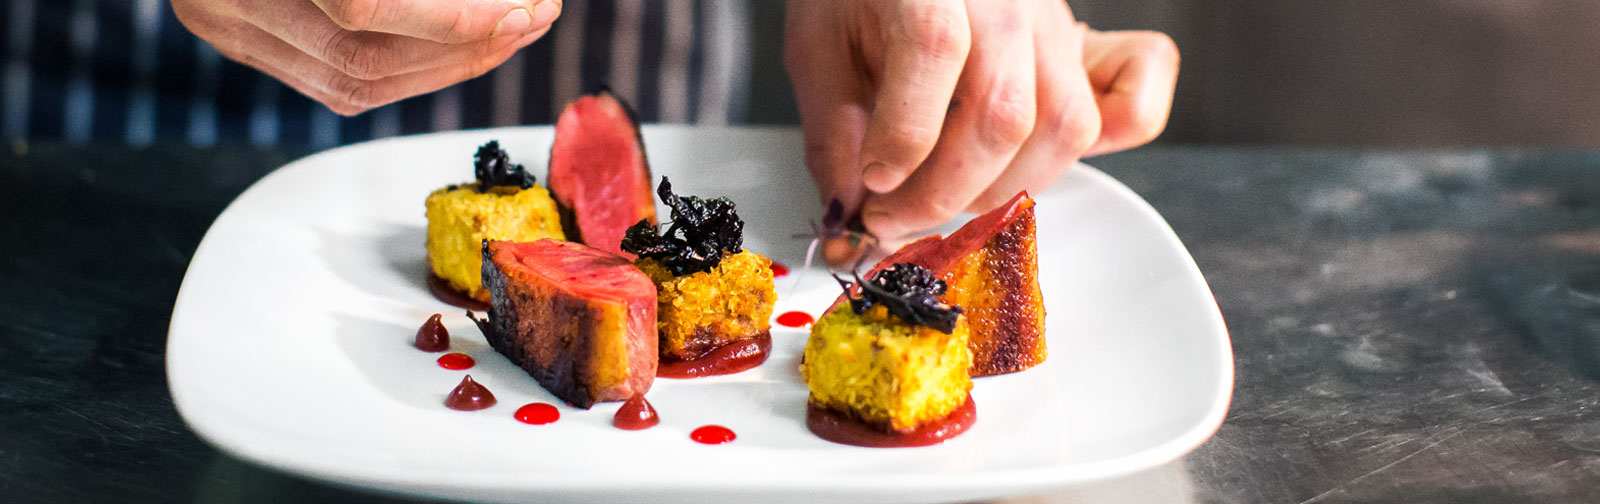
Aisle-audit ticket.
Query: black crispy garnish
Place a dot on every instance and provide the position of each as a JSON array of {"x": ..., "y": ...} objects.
[
  {"x": 702, "y": 231},
  {"x": 493, "y": 167},
  {"x": 908, "y": 291}
]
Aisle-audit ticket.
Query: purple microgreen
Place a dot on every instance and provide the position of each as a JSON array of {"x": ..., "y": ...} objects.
[{"x": 906, "y": 290}]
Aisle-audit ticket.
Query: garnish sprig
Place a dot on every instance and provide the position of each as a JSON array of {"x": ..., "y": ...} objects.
[
  {"x": 701, "y": 233},
  {"x": 908, "y": 291},
  {"x": 493, "y": 167}
]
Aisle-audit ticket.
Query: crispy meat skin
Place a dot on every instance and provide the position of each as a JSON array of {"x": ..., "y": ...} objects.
[{"x": 584, "y": 343}]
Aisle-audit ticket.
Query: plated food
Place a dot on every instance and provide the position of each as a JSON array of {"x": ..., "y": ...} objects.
[
  {"x": 594, "y": 299},
  {"x": 579, "y": 320},
  {"x": 714, "y": 297},
  {"x": 504, "y": 203},
  {"x": 599, "y": 174},
  {"x": 891, "y": 362}
]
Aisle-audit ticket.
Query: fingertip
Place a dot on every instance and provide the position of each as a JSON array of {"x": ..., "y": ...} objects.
[
  {"x": 881, "y": 178},
  {"x": 841, "y": 253},
  {"x": 545, "y": 13}
]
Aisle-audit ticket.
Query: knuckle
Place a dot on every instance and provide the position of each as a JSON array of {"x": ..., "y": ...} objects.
[
  {"x": 937, "y": 29},
  {"x": 910, "y": 138},
  {"x": 356, "y": 15},
  {"x": 1161, "y": 47},
  {"x": 1074, "y": 126},
  {"x": 942, "y": 208},
  {"x": 351, "y": 55},
  {"x": 1009, "y": 117},
  {"x": 460, "y": 28},
  {"x": 354, "y": 93}
]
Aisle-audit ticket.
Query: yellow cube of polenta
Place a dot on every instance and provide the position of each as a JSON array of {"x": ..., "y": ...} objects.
[
  {"x": 460, "y": 218},
  {"x": 705, "y": 310},
  {"x": 879, "y": 370}
]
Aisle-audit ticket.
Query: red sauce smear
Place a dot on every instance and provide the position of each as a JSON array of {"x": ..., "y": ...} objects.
[
  {"x": 456, "y": 361},
  {"x": 469, "y": 396},
  {"x": 712, "y": 434},
  {"x": 779, "y": 270},
  {"x": 636, "y": 414},
  {"x": 833, "y": 426},
  {"x": 538, "y": 413},
  {"x": 442, "y": 291},
  {"x": 729, "y": 359},
  {"x": 795, "y": 319},
  {"x": 432, "y": 336}
]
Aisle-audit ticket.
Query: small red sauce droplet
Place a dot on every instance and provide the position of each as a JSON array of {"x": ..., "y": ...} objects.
[
  {"x": 469, "y": 396},
  {"x": 636, "y": 414},
  {"x": 538, "y": 413},
  {"x": 779, "y": 269},
  {"x": 432, "y": 336},
  {"x": 456, "y": 361},
  {"x": 712, "y": 434},
  {"x": 795, "y": 319}
]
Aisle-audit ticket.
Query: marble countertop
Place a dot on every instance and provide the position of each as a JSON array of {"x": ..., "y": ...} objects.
[{"x": 1419, "y": 326}]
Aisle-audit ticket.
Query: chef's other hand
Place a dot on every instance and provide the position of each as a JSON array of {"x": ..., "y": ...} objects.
[
  {"x": 917, "y": 110},
  {"x": 356, "y": 55}
]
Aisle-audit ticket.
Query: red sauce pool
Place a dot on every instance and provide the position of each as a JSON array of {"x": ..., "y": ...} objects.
[
  {"x": 731, "y": 358},
  {"x": 538, "y": 413},
  {"x": 830, "y": 425},
  {"x": 795, "y": 319},
  {"x": 442, "y": 291},
  {"x": 456, "y": 361},
  {"x": 432, "y": 336},
  {"x": 712, "y": 434},
  {"x": 779, "y": 270},
  {"x": 636, "y": 414},
  {"x": 469, "y": 396}
]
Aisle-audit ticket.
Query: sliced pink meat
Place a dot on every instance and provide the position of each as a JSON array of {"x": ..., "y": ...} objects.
[
  {"x": 580, "y": 320},
  {"x": 598, "y": 172}
]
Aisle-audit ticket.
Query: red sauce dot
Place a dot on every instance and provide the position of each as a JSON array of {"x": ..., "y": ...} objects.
[
  {"x": 795, "y": 319},
  {"x": 456, "y": 361},
  {"x": 712, "y": 434},
  {"x": 779, "y": 270},
  {"x": 538, "y": 413}
]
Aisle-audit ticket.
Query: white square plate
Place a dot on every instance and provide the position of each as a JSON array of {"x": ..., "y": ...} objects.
[{"x": 290, "y": 347}]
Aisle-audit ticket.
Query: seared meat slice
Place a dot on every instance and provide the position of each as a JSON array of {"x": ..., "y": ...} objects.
[{"x": 581, "y": 321}]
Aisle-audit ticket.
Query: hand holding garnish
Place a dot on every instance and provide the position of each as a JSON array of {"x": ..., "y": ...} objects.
[{"x": 917, "y": 110}]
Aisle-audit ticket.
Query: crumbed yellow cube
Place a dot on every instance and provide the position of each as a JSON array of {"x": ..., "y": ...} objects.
[
  {"x": 879, "y": 370},
  {"x": 703, "y": 311},
  {"x": 460, "y": 218}
]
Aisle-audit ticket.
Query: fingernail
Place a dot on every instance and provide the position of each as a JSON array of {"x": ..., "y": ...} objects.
[
  {"x": 516, "y": 22},
  {"x": 545, "y": 13},
  {"x": 879, "y": 177}
]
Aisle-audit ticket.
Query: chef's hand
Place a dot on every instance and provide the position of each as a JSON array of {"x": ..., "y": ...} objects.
[
  {"x": 916, "y": 110},
  {"x": 356, "y": 55}
]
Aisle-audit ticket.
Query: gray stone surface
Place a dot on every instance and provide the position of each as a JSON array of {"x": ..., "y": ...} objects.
[{"x": 1407, "y": 326}]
